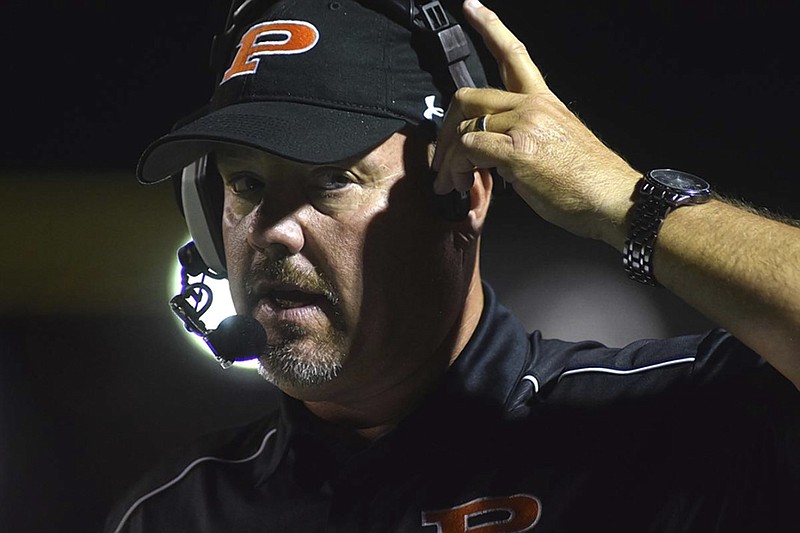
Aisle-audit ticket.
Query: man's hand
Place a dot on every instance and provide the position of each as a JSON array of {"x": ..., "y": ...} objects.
[
  {"x": 553, "y": 161},
  {"x": 740, "y": 269}
]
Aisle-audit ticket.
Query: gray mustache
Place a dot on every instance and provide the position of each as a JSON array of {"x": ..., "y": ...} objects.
[{"x": 282, "y": 271}]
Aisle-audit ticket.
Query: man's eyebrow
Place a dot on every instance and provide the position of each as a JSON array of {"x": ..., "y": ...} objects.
[
  {"x": 228, "y": 155},
  {"x": 374, "y": 170},
  {"x": 230, "y": 160}
]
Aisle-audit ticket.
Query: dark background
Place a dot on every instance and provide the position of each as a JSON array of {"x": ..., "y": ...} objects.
[{"x": 97, "y": 379}]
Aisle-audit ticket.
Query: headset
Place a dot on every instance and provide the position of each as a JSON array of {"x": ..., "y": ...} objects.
[{"x": 199, "y": 188}]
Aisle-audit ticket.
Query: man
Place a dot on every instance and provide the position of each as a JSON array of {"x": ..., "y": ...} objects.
[{"x": 413, "y": 400}]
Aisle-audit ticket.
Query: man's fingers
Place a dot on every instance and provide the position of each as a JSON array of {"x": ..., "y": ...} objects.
[
  {"x": 474, "y": 149},
  {"x": 517, "y": 69},
  {"x": 499, "y": 122},
  {"x": 471, "y": 104},
  {"x": 475, "y": 142}
]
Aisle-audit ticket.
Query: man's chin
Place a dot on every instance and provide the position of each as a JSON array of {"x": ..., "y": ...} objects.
[{"x": 300, "y": 364}]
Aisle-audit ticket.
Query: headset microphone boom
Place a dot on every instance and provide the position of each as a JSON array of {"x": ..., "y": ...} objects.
[{"x": 237, "y": 337}]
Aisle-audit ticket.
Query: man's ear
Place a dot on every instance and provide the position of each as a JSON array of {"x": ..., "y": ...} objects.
[
  {"x": 470, "y": 228},
  {"x": 481, "y": 195}
]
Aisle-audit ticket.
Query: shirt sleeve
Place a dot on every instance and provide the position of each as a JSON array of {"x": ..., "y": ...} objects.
[
  {"x": 592, "y": 374},
  {"x": 712, "y": 427}
]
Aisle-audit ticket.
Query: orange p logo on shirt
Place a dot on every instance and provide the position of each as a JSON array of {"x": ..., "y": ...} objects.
[
  {"x": 270, "y": 38},
  {"x": 510, "y": 514}
]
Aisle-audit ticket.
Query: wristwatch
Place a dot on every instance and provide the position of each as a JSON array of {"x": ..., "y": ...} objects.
[{"x": 659, "y": 192}]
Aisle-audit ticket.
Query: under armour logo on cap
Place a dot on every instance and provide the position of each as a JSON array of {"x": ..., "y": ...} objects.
[{"x": 431, "y": 110}]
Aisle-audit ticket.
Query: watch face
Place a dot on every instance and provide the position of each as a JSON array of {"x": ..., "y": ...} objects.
[{"x": 679, "y": 181}]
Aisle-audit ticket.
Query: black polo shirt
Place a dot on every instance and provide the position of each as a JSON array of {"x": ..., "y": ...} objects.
[{"x": 695, "y": 433}]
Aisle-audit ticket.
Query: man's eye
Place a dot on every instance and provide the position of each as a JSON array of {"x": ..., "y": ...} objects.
[
  {"x": 332, "y": 182},
  {"x": 244, "y": 184}
]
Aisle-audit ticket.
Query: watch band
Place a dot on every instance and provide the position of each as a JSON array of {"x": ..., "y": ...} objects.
[
  {"x": 657, "y": 194},
  {"x": 646, "y": 220}
]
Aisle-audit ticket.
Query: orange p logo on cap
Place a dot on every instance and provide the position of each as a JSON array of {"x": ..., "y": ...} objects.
[{"x": 271, "y": 38}]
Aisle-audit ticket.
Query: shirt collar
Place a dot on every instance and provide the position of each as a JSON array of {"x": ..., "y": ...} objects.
[
  {"x": 477, "y": 387},
  {"x": 493, "y": 360}
]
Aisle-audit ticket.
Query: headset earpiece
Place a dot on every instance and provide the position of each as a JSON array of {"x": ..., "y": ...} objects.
[
  {"x": 453, "y": 206},
  {"x": 202, "y": 197}
]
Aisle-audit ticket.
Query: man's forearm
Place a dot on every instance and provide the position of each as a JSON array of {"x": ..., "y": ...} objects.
[{"x": 740, "y": 269}]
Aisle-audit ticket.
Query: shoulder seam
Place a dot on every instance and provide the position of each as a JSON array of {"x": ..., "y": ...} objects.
[
  {"x": 624, "y": 372},
  {"x": 185, "y": 471}
]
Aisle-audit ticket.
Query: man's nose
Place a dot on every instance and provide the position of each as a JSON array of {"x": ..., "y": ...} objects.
[{"x": 285, "y": 229}]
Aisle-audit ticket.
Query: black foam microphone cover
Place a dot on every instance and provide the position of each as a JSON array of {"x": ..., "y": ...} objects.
[{"x": 238, "y": 338}]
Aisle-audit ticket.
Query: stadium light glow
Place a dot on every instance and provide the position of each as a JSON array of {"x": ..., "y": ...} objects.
[{"x": 221, "y": 308}]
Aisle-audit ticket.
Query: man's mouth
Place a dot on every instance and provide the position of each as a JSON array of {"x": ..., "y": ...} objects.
[
  {"x": 293, "y": 298},
  {"x": 279, "y": 295},
  {"x": 279, "y": 307},
  {"x": 286, "y": 299}
]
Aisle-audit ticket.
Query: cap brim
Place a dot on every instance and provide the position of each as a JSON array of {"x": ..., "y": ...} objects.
[{"x": 300, "y": 132}]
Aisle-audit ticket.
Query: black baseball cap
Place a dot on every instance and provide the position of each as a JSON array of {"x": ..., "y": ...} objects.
[{"x": 315, "y": 81}]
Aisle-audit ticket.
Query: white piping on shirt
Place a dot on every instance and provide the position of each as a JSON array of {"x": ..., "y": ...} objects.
[
  {"x": 186, "y": 470},
  {"x": 616, "y": 371}
]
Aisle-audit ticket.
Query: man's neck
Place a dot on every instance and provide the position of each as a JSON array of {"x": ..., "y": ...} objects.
[{"x": 376, "y": 414}]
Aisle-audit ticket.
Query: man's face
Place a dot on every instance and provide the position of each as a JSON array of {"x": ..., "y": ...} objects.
[{"x": 354, "y": 277}]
